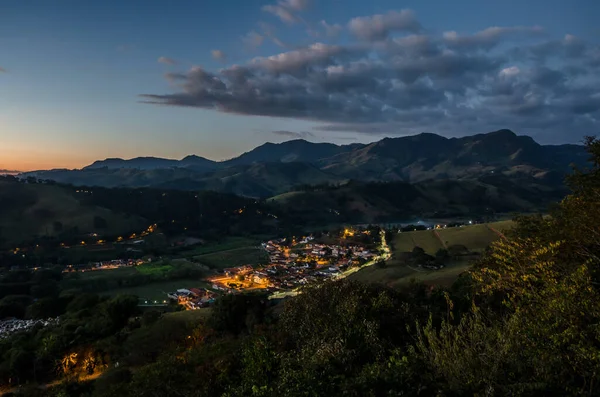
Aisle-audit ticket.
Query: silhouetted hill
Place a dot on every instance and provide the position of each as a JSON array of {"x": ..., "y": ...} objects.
[
  {"x": 297, "y": 150},
  {"x": 382, "y": 202},
  {"x": 271, "y": 169},
  {"x": 429, "y": 156},
  {"x": 151, "y": 163}
]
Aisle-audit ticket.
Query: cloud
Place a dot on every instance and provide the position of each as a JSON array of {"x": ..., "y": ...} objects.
[
  {"x": 299, "y": 60},
  {"x": 384, "y": 83},
  {"x": 2, "y": 70},
  {"x": 269, "y": 32},
  {"x": 167, "y": 61},
  {"x": 294, "y": 134},
  {"x": 570, "y": 47},
  {"x": 489, "y": 37},
  {"x": 253, "y": 39},
  {"x": 378, "y": 27},
  {"x": 287, "y": 10},
  {"x": 219, "y": 55},
  {"x": 333, "y": 30}
]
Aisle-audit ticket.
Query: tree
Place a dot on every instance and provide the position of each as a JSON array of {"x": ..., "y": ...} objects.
[
  {"x": 418, "y": 251},
  {"x": 119, "y": 309},
  {"x": 381, "y": 264},
  {"x": 100, "y": 222},
  {"x": 535, "y": 306},
  {"x": 57, "y": 226},
  {"x": 441, "y": 256},
  {"x": 231, "y": 312},
  {"x": 457, "y": 250}
]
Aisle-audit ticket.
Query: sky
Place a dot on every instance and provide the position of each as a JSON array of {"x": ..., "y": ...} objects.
[{"x": 88, "y": 80}]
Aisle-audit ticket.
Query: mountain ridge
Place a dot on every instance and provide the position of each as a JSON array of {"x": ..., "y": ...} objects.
[
  {"x": 318, "y": 151},
  {"x": 274, "y": 168}
]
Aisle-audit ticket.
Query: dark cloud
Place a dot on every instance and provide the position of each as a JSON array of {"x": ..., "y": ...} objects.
[
  {"x": 167, "y": 61},
  {"x": 413, "y": 82},
  {"x": 568, "y": 48},
  {"x": 294, "y": 134}
]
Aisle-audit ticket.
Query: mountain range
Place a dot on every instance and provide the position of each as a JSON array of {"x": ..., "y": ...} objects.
[{"x": 272, "y": 169}]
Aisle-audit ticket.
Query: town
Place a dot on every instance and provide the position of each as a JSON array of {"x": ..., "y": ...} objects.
[{"x": 293, "y": 263}]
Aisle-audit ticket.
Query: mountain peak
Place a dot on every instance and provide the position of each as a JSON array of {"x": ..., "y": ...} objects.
[{"x": 503, "y": 133}]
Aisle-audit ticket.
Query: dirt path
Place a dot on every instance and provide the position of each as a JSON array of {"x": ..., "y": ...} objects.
[
  {"x": 435, "y": 232},
  {"x": 499, "y": 233}
]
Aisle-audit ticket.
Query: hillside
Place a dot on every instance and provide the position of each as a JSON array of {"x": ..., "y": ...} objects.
[
  {"x": 151, "y": 163},
  {"x": 398, "y": 201},
  {"x": 297, "y": 150},
  {"x": 35, "y": 210},
  {"x": 272, "y": 169},
  {"x": 255, "y": 180},
  {"x": 398, "y": 272},
  {"x": 30, "y": 210},
  {"x": 429, "y": 156}
]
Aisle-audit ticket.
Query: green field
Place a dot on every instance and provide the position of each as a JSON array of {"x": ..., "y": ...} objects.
[
  {"x": 158, "y": 291},
  {"x": 154, "y": 268},
  {"x": 426, "y": 239},
  {"x": 476, "y": 237},
  {"x": 230, "y": 243},
  {"x": 233, "y": 257},
  {"x": 148, "y": 281},
  {"x": 397, "y": 273}
]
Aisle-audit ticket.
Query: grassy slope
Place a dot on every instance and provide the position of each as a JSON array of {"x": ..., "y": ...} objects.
[
  {"x": 476, "y": 238},
  {"x": 397, "y": 273},
  {"x": 190, "y": 316},
  {"x": 426, "y": 239},
  {"x": 234, "y": 257},
  {"x": 229, "y": 243},
  {"x": 31, "y": 210}
]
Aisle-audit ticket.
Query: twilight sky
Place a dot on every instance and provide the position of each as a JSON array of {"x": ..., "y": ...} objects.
[{"x": 86, "y": 80}]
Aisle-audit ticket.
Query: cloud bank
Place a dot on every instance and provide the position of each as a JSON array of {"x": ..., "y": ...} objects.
[{"x": 395, "y": 77}]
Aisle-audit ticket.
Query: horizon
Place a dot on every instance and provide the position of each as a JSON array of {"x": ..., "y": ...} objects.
[
  {"x": 84, "y": 82},
  {"x": 15, "y": 172}
]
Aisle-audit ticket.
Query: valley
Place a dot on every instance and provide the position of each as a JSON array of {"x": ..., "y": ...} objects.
[{"x": 139, "y": 259}]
